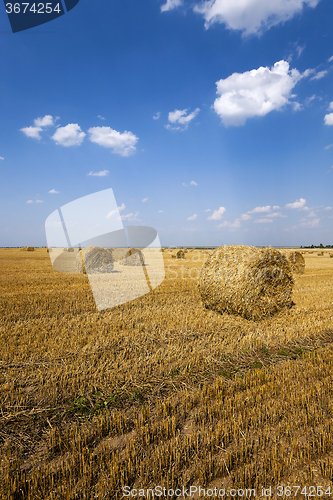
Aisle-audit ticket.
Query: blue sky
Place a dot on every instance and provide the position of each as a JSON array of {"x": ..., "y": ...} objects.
[{"x": 211, "y": 121}]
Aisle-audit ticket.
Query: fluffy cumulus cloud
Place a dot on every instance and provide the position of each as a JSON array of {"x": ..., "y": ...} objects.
[
  {"x": 53, "y": 191},
  {"x": 193, "y": 183},
  {"x": 250, "y": 16},
  {"x": 181, "y": 117},
  {"x": 297, "y": 204},
  {"x": 236, "y": 223},
  {"x": 157, "y": 116},
  {"x": 170, "y": 4},
  {"x": 122, "y": 144},
  {"x": 46, "y": 121},
  {"x": 217, "y": 214},
  {"x": 32, "y": 132},
  {"x": 101, "y": 173},
  {"x": 70, "y": 135},
  {"x": 255, "y": 93},
  {"x": 192, "y": 217},
  {"x": 329, "y": 119},
  {"x": 39, "y": 124}
]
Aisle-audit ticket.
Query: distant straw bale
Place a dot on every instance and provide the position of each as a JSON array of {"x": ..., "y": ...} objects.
[
  {"x": 136, "y": 258},
  {"x": 70, "y": 249},
  {"x": 180, "y": 254},
  {"x": 320, "y": 253},
  {"x": 96, "y": 260},
  {"x": 30, "y": 249},
  {"x": 247, "y": 281},
  {"x": 297, "y": 262},
  {"x": 331, "y": 255}
]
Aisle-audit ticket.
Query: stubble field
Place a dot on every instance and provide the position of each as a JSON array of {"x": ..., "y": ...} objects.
[{"x": 160, "y": 391}]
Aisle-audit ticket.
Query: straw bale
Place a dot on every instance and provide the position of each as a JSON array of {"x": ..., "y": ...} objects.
[
  {"x": 96, "y": 260},
  {"x": 70, "y": 249},
  {"x": 136, "y": 258},
  {"x": 30, "y": 249},
  {"x": 297, "y": 262},
  {"x": 180, "y": 254},
  {"x": 247, "y": 281},
  {"x": 331, "y": 254}
]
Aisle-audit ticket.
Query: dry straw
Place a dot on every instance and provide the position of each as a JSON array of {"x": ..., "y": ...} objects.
[
  {"x": 297, "y": 262},
  {"x": 30, "y": 249},
  {"x": 247, "y": 281}
]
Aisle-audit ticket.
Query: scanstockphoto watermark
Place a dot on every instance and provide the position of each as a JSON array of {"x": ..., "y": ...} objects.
[
  {"x": 187, "y": 492},
  {"x": 87, "y": 236}
]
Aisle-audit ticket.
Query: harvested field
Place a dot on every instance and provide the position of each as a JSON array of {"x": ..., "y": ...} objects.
[{"x": 160, "y": 391}]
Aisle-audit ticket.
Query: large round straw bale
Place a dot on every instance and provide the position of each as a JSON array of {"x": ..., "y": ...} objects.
[
  {"x": 331, "y": 255},
  {"x": 297, "y": 262},
  {"x": 180, "y": 254},
  {"x": 31, "y": 249},
  {"x": 70, "y": 249},
  {"x": 247, "y": 281},
  {"x": 96, "y": 259},
  {"x": 136, "y": 258}
]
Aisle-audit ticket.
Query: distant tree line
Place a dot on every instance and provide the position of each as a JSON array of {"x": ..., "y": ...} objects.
[{"x": 318, "y": 246}]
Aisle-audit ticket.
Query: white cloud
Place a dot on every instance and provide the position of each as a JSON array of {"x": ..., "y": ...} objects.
[
  {"x": 255, "y": 93},
  {"x": 193, "y": 183},
  {"x": 170, "y": 4},
  {"x": 30, "y": 201},
  {"x": 53, "y": 191},
  {"x": 192, "y": 217},
  {"x": 262, "y": 221},
  {"x": 276, "y": 207},
  {"x": 119, "y": 209},
  {"x": 39, "y": 201},
  {"x": 299, "y": 49},
  {"x": 328, "y": 119},
  {"x": 156, "y": 117},
  {"x": 217, "y": 214},
  {"x": 208, "y": 210},
  {"x": 101, "y": 173},
  {"x": 161, "y": 211},
  {"x": 184, "y": 184},
  {"x": 329, "y": 146},
  {"x": 101, "y": 117},
  {"x": 330, "y": 59},
  {"x": 310, "y": 223},
  {"x": 259, "y": 210},
  {"x": 328, "y": 208},
  {"x": 250, "y": 16},
  {"x": 144, "y": 200},
  {"x": 277, "y": 214},
  {"x": 70, "y": 135},
  {"x": 297, "y": 204},
  {"x": 32, "y": 132},
  {"x": 1, "y": 158},
  {"x": 46, "y": 121},
  {"x": 130, "y": 217},
  {"x": 312, "y": 214},
  {"x": 319, "y": 75},
  {"x": 181, "y": 117},
  {"x": 122, "y": 144},
  {"x": 245, "y": 217}
]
